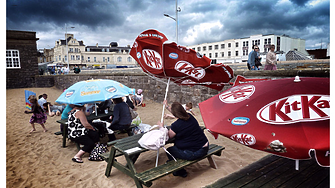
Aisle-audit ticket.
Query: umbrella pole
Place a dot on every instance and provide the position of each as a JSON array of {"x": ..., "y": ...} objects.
[
  {"x": 166, "y": 91},
  {"x": 296, "y": 164}
]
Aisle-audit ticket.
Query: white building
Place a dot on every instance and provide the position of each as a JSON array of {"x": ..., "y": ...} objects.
[
  {"x": 91, "y": 56},
  {"x": 237, "y": 50}
]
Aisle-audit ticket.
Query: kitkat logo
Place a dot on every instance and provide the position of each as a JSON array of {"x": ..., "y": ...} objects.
[
  {"x": 296, "y": 108},
  {"x": 244, "y": 138},
  {"x": 188, "y": 69},
  {"x": 152, "y": 59},
  {"x": 237, "y": 94}
]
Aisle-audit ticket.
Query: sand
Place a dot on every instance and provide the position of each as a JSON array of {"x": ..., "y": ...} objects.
[{"x": 39, "y": 160}]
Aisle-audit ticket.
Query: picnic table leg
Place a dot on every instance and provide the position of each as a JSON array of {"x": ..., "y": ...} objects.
[
  {"x": 64, "y": 135},
  {"x": 110, "y": 162},
  {"x": 130, "y": 164}
]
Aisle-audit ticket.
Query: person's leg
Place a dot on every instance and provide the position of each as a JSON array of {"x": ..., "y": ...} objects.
[
  {"x": 33, "y": 126},
  {"x": 42, "y": 124},
  {"x": 77, "y": 158}
]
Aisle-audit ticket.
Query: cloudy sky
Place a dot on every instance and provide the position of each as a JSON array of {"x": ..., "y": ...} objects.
[{"x": 200, "y": 21}]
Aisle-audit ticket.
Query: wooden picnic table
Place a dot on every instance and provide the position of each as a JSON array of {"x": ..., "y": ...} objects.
[
  {"x": 130, "y": 149},
  {"x": 90, "y": 117}
]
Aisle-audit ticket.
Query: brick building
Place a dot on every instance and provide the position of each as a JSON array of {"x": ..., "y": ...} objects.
[{"x": 21, "y": 59}]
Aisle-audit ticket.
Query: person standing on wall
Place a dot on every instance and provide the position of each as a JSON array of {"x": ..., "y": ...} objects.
[
  {"x": 271, "y": 60},
  {"x": 252, "y": 57}
]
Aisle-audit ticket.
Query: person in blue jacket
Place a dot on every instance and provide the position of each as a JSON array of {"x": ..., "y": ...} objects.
[{"x": 252, "y": 57}]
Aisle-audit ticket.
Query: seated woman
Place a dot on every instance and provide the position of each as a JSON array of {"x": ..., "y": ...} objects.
[
  {"x": 80, "y": 131},
  {"x": 121, "y": 118},
  {"x": 53, "y": 110},
  {"x": 190, "y": 141}
]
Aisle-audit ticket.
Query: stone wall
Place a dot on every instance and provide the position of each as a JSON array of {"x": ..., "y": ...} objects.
[
  {"x": 153, "y": 89},
  {"x": 25, "y": 42}
]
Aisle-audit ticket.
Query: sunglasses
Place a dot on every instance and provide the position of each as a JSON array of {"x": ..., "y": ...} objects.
[{"x": 256, "y": 48}]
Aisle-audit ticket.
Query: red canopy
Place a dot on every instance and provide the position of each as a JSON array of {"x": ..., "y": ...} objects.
[
  {"x": 181, "y": 64},
  {"x": 286, "y": 117}
]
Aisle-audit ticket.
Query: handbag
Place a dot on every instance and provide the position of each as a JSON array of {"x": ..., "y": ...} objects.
[
  {"x": 133, "y": 114},
  {"x": 258, "y": 62},
  {"x": 98, "y": 149}
]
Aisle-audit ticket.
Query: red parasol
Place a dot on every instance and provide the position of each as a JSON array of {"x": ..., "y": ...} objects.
[
  {"x": 180, "y": 64},
  {"x": 287, "y": 117}
]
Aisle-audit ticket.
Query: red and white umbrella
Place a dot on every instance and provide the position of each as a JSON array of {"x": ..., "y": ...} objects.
[{"x": 287, "y": 117}]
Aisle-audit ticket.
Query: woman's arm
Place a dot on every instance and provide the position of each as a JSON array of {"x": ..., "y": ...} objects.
[
  {"x": 171, "y": 133},
  {"x": 81, "y": 116}
]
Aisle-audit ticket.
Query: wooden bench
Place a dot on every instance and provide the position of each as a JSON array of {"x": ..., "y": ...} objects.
[
  {"x": 150, "y": 175},
  {"x": 130, "y": 149}
]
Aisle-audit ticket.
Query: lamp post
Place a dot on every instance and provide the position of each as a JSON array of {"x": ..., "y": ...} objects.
[
  {"x": 67, "y": 50},
  {"x": 175, "y": 19}
]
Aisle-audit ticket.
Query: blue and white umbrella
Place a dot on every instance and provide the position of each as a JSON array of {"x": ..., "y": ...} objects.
[{"x": 93, "y": 91}]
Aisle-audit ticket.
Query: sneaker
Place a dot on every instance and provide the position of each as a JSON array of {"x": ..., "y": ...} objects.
[{"x": 181, "y": 173}]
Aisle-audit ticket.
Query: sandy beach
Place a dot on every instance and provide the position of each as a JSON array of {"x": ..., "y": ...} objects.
[{"x": 38, "y": 159}]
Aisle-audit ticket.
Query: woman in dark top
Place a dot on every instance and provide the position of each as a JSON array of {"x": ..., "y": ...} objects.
[
  {"x": 190, "y": 141},
  {"x": 121, "y": 118}
]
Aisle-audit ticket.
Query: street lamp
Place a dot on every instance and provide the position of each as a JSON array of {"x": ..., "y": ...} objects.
[
  {"x": 175, "y": 19},
  {"x": 67, "y": 50}
]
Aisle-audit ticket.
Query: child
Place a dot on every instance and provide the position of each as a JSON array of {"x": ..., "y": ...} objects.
[
  {"x": 187, "y": 107},
  {"x": 38, "y": 114},
  {"x": 138, "y": 97}
]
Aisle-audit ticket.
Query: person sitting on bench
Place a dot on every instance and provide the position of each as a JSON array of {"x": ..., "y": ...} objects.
[
  {"x": 190, "y": 141},
  {"x": 121, "y": 118}
]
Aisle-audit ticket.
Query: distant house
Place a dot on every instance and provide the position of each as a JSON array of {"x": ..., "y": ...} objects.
[
  {"x": 318, "y": 53},
  {"x": 21, "y": 59}
]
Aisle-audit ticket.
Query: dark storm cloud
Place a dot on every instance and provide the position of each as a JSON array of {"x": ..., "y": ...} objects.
[
  {"x": 200, "y": 21},
  {"x": 58, "y": 12}
]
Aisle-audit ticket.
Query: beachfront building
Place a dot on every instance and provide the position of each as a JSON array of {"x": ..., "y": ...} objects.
[
  {"x": 70, "y": 47},
  {"x": 110, "y": 56},
  {"x": 21, "y": 59},
  {"x": 237, "y": 50}
]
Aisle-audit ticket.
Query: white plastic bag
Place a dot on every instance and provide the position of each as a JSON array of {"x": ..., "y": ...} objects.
[{"x": 154, "y": 139}]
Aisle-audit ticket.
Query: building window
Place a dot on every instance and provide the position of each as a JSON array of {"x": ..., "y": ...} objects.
[
  {"x": 222, "y": 46},
  {"x": 72, "y": 57},
  {"x": 95, "y": 59},
  {"x": 103, "y": 59},
  {"x": 103, "y": 50},
  {"x": 222, "y": 54},
  {"x": 199, "y": 49},
  {"x": 119, "y": 59},
  {"x": 236, "y": 53},
  {"x": 12, "y": 59},
  {"x": 236, "y": 44},
  {"x": 76, "y": 50},
  {"x": 216, "y": 47},
  {"x": 129, "y": 59},
  {"x": 216, "y": 55},
  {"x": 210, "y": 55},
  {"x": 269, "y": 40},
  {"x": 229, "y": 53},
  {"x": 108, "y": 59},
  {"x": 245, "y": 52},
  {"x": 229, "y": 45},
  {"x": 88, "y": 59},
  {"x": 204, "y": 48},
  {"x": 88, "y": 49},
  {"x": 65, "y": 58},
  {"x": 77, "y": 57},
  {"x": 209, "y": 47},
  {"x": 265, "y": 41},
  {"x": 70, "y": 49}
]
